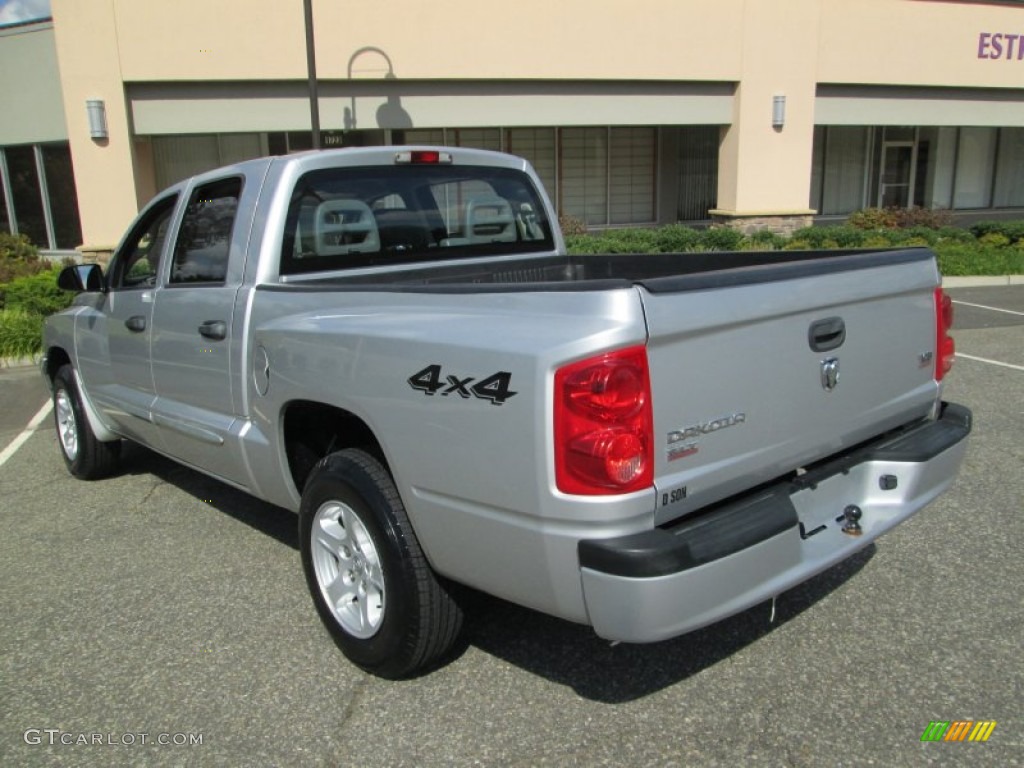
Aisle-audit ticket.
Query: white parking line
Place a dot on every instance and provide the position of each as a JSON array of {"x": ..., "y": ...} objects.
[
  {"x": 984, "y": 360},
  {"x": 990, "y": 309},
  {"x": 26, "y": 433}
]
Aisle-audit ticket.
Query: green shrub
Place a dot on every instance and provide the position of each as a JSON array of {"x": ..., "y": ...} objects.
[
  {"x": 877, "y": 240},
  {"x": 900, "y": 218},
  {"x": 571, "y": 225},
  {"x": 676, "y": 238},
  {"x": 873, "y": 218},
  {"x": 1011, "y": 230},
  {"x": 21, "y": 333},
  {"x": 965, "y": 259},
  {"x": 953, "y": 235},
  {"x": 766, "y": 240},
  {"x": 37, "y": 294},
  {"x": 994, "y": 239},
  {"x": 721, "y": 239},
  {"x": 18, "y": 258}
]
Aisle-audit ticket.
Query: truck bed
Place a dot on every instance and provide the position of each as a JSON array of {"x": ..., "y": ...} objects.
[{"x": 658, "y": 273}]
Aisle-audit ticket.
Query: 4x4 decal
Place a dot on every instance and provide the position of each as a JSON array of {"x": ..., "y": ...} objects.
[{"x": 494, "y": 388}]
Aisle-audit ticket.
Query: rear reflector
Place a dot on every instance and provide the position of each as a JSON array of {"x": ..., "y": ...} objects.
[
  {"x": 423, "y": 157},
  {"x": 945, "y": 348}
]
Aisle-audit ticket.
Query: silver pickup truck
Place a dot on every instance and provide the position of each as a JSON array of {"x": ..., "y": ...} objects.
[{"x": 393, "y": 343}]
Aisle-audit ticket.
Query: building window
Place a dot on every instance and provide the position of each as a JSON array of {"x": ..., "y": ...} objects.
[
  {"x": 28, "y": 202},
  {"x": 631, "y": 175},
  {"x": 698, "y": 171},
  {"x": 38, "y": 197},
  {"x": 60, "y": 183},
  {"x": 5, "y": 219},
  {"x": 965, "y": 168},
  {"x": 600, "y": 175},
  {"x": 1009, "y": 187},
  {"x": 975, "y": 158},
  {"x": 178, "y": 157},
  {"x": 841, "y": 160},
  {"x": 583, "y": 177},
  {"x": 538, "y": 147}
]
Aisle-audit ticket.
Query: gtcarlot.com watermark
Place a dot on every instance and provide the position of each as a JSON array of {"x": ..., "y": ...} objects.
[{"x": 56, "y": 737}]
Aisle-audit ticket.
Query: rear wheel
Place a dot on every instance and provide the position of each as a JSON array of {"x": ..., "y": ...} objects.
[
  {"x": 371, "y": 584},
  {"x": 86, "y": 456}
]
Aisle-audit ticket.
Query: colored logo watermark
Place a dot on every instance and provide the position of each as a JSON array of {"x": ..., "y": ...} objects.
[{"x": 958, "y": 730}]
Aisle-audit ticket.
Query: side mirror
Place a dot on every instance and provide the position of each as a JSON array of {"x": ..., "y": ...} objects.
[{"x": 81, "y": 277}]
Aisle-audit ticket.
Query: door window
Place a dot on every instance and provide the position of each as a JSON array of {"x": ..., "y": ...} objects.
[
  {"x": 204, "y": 241},
  {"x": 137, "y": 264}
]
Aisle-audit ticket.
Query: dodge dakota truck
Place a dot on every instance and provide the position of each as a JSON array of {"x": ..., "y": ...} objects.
[{"x": 394, "y": 344}]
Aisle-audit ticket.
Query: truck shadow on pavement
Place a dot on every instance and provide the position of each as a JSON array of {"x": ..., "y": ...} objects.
[
  {"x": 572, "y": 655},
  {"x": 560, "y": 651},
  {"x": 277, "y": 523}
]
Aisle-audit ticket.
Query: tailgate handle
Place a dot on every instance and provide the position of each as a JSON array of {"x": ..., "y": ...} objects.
[{"x": 827, "y": 334}]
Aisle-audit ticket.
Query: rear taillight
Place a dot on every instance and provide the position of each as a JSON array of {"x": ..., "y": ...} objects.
[
  {"x": 945, "y": 348},
  {"x": 603, "y": 424}
]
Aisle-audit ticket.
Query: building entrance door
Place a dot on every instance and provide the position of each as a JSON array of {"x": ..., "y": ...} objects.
[{"x": 898, "y": 172}]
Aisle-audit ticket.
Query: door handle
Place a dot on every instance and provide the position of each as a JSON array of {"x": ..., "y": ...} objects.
[
  {"x": 828, "y": 334},
  {"x": 135, "y": 323},
  {"x": 216, "y": 330}
]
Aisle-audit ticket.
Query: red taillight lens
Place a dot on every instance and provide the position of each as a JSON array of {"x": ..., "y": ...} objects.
[
  {"x": 603, "y": 424},
  {"x": 945, "y": 348}
]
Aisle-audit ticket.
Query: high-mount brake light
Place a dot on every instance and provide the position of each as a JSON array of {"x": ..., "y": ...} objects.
[
  {"x": 423, "y": 157},
  {"x": 945, "y": 347},
  {"x": 604, "y": 425}
]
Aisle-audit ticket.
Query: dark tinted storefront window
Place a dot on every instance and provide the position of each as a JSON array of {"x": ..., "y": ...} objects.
[
  {"x": 60, "y": 182},
  {"x": 5, "y": 222},
  {"x": 28, "y": 205}
]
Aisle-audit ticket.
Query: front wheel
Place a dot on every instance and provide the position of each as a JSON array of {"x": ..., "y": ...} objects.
[
  {"x": 370, "y": 581},
  {"x": 85, "y": 455}
]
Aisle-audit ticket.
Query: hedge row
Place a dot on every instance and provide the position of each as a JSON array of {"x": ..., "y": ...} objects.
[{"x": 988, "y": 248}]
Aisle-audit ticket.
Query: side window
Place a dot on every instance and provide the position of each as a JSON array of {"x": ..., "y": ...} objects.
[
  {"x": 204, "y": 241},
  {"x": 137, "y": 264}
]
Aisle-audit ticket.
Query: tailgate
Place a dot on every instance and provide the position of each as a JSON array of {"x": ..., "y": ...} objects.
[{"x": 757, "y": 374}]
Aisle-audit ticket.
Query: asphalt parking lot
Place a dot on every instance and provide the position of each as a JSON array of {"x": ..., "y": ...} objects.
[{"x": 161, "y": 618}]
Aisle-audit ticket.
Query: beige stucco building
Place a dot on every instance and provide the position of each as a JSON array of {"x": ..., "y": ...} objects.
[{"x": 749, "y": 112}]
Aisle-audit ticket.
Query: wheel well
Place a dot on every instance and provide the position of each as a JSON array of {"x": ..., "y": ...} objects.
[
  {"x": 55, "y": 358},
  {"x": 314, "y": 430}
]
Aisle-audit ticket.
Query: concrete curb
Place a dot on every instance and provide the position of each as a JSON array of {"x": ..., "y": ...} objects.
[
  {"x": 982, "y": 281},
  {"x": 18, "y": 362}
]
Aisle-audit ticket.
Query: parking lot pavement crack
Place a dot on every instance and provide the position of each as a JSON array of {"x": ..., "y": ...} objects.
[
  {"x": 353, "y": 701},
  {"x": 145, "y": 499}
]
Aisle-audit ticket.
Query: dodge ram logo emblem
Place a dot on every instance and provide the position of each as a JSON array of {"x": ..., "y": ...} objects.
[{"x": 830, "y": 373}]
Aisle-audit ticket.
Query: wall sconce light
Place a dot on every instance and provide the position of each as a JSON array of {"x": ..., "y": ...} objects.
[
  {"x": 778, "y": 110},
  {"x": 97, "y": 112}
]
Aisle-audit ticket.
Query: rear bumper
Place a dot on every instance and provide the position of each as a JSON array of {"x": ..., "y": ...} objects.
[{"x": 665, "y": 582}]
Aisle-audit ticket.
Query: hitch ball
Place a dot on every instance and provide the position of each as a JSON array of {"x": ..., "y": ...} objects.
[{"x": 851, "y": 518}]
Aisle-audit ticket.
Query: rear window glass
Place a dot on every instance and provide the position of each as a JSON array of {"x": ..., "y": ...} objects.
[{"x": 340, "y": 218}]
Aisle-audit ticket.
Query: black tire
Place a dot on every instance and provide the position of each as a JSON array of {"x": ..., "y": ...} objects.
[
  {"x": 371, "y": 584},
  {"x": 86, "y": 456}
]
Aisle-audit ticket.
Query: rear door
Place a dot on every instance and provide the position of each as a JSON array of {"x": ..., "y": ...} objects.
[
  {"x": 195, "y": 348},
  {"x": 753, "y": 380}
]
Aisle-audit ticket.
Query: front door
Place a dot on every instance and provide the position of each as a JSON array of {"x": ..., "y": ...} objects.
[{"x": 115, "y": 336}]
